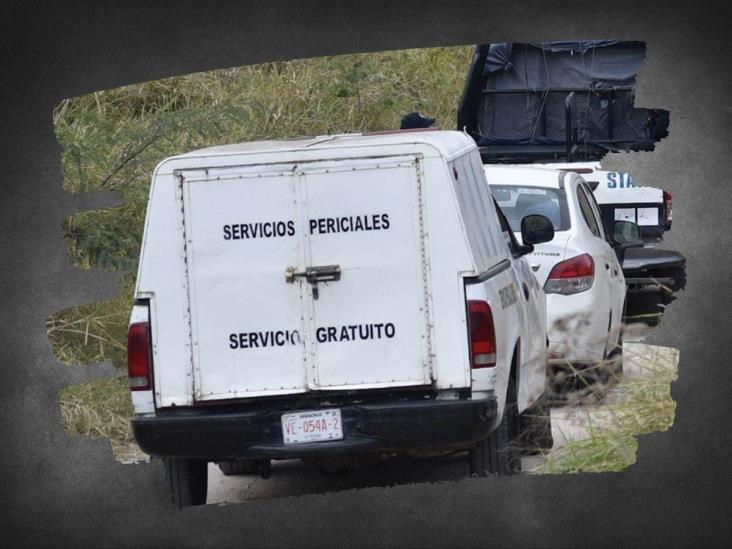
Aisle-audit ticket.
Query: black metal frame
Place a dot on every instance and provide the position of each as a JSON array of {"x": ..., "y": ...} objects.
[{"x": 571, "y": 149}]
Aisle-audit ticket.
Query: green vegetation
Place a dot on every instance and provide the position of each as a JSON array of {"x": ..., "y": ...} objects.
[
  {"x": 99, "y": 408},
  {"x": 641, "y": 403},
  {"x": 113, "y": 139}
]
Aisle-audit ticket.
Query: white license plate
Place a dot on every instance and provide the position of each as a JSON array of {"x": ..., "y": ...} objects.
[{"x": 312, "y": 426}]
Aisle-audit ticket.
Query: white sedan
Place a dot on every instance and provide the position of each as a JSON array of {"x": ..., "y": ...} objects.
[{"x": 580, "y": 273}]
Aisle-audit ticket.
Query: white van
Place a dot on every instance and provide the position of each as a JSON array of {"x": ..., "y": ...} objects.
[{"x": 331, "y": 296}]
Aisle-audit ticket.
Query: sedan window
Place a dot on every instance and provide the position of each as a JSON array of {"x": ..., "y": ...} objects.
[
  {"x": 587, "y": 212},
  {"x": 518, "y": 202},
  {"x": 510, "y": 239},
  {"x": 596, "y": 209}
]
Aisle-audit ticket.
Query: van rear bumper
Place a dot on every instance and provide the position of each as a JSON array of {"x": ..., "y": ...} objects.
[{"x": 383, "y": 427}]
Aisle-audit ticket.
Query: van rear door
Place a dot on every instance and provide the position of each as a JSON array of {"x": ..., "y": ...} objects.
[
  {"x": 370, "y": 328},
  {"x": 241, "y": 231},
  {"x": 306, "y": 277}
]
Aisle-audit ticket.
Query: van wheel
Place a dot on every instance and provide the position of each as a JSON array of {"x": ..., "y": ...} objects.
[
  {"x": 187, "y": 480},
  {"x": 614, "y": 359},
  {"x": 535, "y": 436},
  {"x": 238, "y": 467},
  {"x": 497, "y": 454}
]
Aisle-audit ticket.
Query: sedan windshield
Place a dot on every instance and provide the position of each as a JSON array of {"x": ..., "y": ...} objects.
[{"x": 518, "y": 202}]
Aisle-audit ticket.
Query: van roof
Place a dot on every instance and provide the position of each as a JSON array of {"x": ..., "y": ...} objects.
[
  {"x": 449, "y": 143},
  {"x": 519, "y": 175}
]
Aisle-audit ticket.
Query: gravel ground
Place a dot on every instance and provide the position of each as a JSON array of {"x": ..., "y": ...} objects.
[{"x": 295, "y": 478}]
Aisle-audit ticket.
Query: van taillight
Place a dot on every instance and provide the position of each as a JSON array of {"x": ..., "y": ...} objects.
[
  {"x": 667, "y": 207},
  {"x": 138, "y": 356},
  {"x": 482, "y": 335},
  {"x": 572, "y": 276}
]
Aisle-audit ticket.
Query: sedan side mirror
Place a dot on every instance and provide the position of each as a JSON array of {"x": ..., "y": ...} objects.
[
  {"x": 536, "y": 229},
  {"x": 626, "y": 234}
]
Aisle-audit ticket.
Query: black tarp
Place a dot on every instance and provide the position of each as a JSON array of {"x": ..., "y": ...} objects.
[
  {"x": 576, "y": 65},
  {"x": 524, "y": 87}
]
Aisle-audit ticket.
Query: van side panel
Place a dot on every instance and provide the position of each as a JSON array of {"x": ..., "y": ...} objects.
[
  {"x": 450, "y": 261},
  {"x": 477, "y": 212},
  {"x": 161, "y": 279}
]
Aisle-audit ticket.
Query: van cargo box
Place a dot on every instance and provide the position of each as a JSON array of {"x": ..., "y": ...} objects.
[{"x": 316, "y": 265}]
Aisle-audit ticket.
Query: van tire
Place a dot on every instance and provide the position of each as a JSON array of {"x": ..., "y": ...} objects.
[
  {"x": 535, "y": 436},
  {"x": 614, "y": 359},
  {"x": 497, "y": 454},
  {"x": 238, "y": 467},
  {"x": 187, "y": 480}
]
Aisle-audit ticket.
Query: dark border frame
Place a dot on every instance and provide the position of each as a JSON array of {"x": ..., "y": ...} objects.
[{"x": 60, "y": 491}]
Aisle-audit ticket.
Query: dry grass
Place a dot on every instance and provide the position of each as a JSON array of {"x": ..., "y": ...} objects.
[
  {"x": 641, "y": 403},
  {"x": 99, "y": 408},
  {"x": 95, "y": 332}
]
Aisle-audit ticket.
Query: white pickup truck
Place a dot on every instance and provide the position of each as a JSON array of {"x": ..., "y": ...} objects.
[
  {"x": 620, "y": 199},
  {"x": 331, "y": 297}
]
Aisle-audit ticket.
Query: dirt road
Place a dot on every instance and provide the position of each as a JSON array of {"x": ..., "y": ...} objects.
[{"x": 294, "y": 478}]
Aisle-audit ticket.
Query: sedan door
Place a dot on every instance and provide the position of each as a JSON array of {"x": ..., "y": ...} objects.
[
  {"x": 532, "y": 307},
  {"x": 608, "y": 267},
  {"x": 619, "y": 287}
]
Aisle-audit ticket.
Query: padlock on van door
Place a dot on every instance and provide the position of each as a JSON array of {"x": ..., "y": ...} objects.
[{"x": 323, "y": 273}]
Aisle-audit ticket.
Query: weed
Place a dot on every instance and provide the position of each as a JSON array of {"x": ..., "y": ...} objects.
[
  {"x": 100, "y": 408},
  {"x": 641, "y": 403}
]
